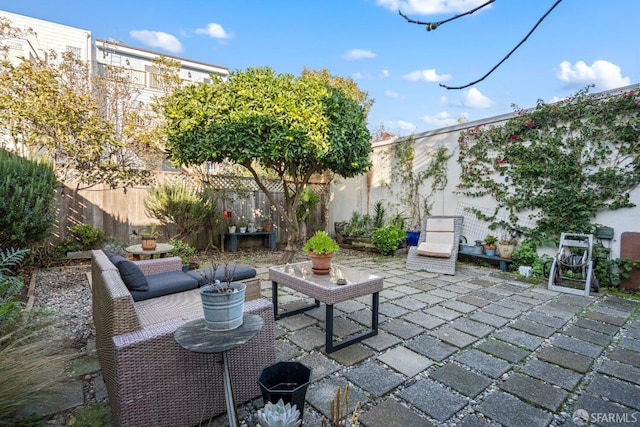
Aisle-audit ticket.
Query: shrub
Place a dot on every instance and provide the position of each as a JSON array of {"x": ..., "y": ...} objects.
[
  {"x": 27, "y": 200},
  {"x": 184, "y": 250},
  {"x": 388, "y": 239},
  {"x": 178, "y": 202},
  {"x": 525, "y": 254}
]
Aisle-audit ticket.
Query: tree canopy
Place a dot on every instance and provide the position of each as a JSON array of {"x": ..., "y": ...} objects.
[{"x": 293, "y": 126}]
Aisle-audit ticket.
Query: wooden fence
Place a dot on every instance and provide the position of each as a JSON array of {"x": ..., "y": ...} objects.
[{"x": 119, "y": 213}]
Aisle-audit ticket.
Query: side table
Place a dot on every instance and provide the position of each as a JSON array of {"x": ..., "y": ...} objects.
[
  {"x": 194, "y": 336},
  {"x": 161, "y": 250}
]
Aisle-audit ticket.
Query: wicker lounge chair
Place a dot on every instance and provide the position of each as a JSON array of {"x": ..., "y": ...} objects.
[
  {"x": 150, "y": 378},
  {"x": 437, "y": 250}
]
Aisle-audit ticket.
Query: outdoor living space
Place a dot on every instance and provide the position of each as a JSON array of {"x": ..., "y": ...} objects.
[{"x": 478, "y": 348}]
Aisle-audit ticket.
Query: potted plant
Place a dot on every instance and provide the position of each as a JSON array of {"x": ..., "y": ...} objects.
[
  {"x": 232, "y": 227},
  {"x": 265, "y": 222},
  {"x": 243, "y": 224},
  {"x": 185, "y": 251},
  {"x": 321, "y": 248},
  {"x": 150, "y": 238},
  {"x": 507, "y": 244},
  {"x": 222, "y": 300},
  {"x": 490, "y": 245}
]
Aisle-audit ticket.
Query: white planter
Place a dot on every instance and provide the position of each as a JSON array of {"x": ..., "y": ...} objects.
[
  {"x": 223, "y": 311},
  {"x": 243, "y": 229},
  {"x": 524, "y": 270},
  {"x": 232, "y": 229}
]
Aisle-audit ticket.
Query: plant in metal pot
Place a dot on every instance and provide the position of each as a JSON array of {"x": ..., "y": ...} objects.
[
  {"x": 388, "y": 239},
  {"x": 321, "y": 248},
  {"x": 222, "y": 298}
]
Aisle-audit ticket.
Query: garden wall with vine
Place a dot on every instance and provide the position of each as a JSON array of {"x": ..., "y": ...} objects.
[{"x": 559, "y": 164}]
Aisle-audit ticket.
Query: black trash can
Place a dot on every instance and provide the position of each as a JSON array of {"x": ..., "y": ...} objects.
[{"x": 287, "y": 381}]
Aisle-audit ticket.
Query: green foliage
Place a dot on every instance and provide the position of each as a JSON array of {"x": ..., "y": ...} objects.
[
  {"x": 417, "y": 204},
  {"x": 98, "y": 415},
  {"x": 525, "y": 254},
  {"x": 490, "y": 240},
  {"x": 178, "y": 202},
  {"x": 560, "y": 164},
  {"x": 10, "y": 284},
  {"x": 52, "y": 106},
  {"x": 358, "y": 225},
  {"x": 293, "y": 126},
  {"x": 182, "y": 249},
  {"x": 308, "y": 201},
  {"x": 321, "y": 243},
  {"x": 84, "y": 237},
  {"x": 379, "y": 215},
  {"x": 388, "y": 239},
  {"x": 27, "y": 200}
]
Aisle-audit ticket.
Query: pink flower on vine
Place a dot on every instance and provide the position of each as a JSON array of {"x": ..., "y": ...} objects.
[{"x": 514, "y": 138}]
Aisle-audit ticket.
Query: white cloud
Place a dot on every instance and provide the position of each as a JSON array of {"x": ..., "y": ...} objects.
[
  {"x": 357, "y": 76},
  {"x": 443, "y": 119},
  {"x": 603, "y": 74},
  {"x": 158, "y": 39},
  {"x": 426, "y": 76},
  {"x": 427, "y": 7},
  {"x": 392, "y": 94},
  {"x": 399, "y": 126},
  {"x": 384, "y": 73},
  {"x": 215, "y": 31},
  {"x": 473, "y": 98},
  {"x": 355, "y": 54}
]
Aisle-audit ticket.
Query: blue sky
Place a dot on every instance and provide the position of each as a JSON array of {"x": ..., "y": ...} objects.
[{"x": 399, "y": 64}]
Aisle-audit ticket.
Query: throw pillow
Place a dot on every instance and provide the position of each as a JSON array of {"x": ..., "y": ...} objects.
[{"x": 130, "y": 273}]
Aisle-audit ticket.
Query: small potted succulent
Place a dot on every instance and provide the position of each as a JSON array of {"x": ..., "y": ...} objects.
[{"x": 321, "y": 248}]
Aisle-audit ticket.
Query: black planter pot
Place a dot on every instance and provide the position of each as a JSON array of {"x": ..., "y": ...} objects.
[{"x": 287, "y": 381}]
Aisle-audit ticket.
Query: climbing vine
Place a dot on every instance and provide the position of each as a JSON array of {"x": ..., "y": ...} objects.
[
  {"x": 417, "y": 204},
  {"x": 559, "y": 164}
]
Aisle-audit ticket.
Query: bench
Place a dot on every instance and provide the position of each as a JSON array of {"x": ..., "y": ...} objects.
[
  {"x": 268, "y": 239},
  {"x": 504, "y": 262}
]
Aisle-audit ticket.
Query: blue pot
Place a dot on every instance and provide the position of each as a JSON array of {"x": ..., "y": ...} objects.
[{"x": 413, "y": 237}]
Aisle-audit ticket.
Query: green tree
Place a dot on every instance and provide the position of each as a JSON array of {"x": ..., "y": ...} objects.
[{"x": 293, "y": 126}]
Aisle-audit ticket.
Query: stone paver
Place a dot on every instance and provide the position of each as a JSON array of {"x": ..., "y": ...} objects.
[
  {"x": 588, "y": 335},
  {"x": 503, "y": 350},
  {"x": 391, "y": 412},
  {"x": 605, "y": 413},
  {"x": 489, "y": 319},
  {"x": 402, "y": 328},
  {"x": 461, "y": 380},
  {"x": 424, "y": 320},
  {"x": 483, "y": 362},
  {"x": 538, "y": 317},
  {"x": 624, "y": 355},
  {"x": 519, "y": 338},
  {"x": 431, "y": 347},
  {"x": 621, "y": 371},
  {"x": 374, "y": 378},
  {"x": 606, "y": 318},
  {"x": 472, "y": 327},
  {"x": 533, "y": 390},
  {"x": 573, "y": 344},
  {"x": 453, "y": 336},
  {"x": 443, "y": 312},
  {"x": 552, "y": 374},
  {"x": 433, "y": 399},
  {"x": 615, "y": 390},
  {"x": 533, "y": 328},
  {"x": 502, "y": 311},
  {"x": 473, "y": 300},
  {"x": 512, "y": 412},
  {"x": 405, "y": 361},
  {"x": 566, "y": 359},
  {"x": 592, "y": 325},
  {"x": 460, "y": 306}
]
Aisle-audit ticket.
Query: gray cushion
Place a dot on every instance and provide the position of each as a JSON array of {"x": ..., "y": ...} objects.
[
  {"x": 240, "y": 272},
  {"x": 167, "y": 283},
  {"x": 130, "y": 273}
]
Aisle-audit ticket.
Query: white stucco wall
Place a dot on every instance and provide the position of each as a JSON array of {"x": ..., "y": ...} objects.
[{"x": 361, "y": 193}]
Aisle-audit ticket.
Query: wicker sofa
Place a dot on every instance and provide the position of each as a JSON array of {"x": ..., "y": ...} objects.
[{"x": 150, "y": 379}]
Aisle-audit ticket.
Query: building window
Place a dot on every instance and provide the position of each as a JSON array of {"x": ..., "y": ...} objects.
[{"x": 75, "y": 51}]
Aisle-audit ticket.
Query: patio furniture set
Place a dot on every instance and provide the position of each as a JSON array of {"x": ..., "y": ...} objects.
[{"x": 161, "y": 366}]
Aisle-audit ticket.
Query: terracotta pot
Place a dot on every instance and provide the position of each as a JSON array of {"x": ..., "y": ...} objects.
[
  {"x": 149, "y": 243},
  {"x": 321, "y": 264},
  {"x": 267, "y": 227}
]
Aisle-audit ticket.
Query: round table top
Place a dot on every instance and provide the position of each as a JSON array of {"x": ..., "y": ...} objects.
[
  {"x": 194, "y": 336},
  {"x": 161, "y": 248}
]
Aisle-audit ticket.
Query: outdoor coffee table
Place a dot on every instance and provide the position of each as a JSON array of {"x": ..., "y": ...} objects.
[
  {"x": 162, "y": 249},
  {"x": 324, "y": 288}
]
